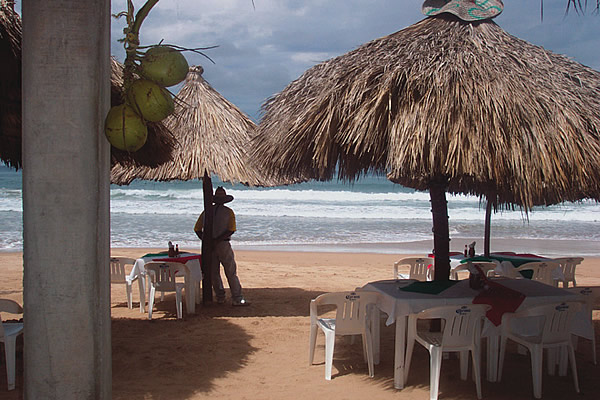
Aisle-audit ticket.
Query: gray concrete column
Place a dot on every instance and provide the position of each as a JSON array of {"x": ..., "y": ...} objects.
[{"x": 66, "y": 162}]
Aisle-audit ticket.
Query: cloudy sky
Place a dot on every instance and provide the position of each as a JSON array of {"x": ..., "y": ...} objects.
[{"x": 262, "y": 48}]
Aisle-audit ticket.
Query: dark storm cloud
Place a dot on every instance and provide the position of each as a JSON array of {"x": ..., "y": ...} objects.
[{"x": 263, "y": 49}]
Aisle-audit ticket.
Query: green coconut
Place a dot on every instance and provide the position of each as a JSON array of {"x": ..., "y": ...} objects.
[
  {"x": 153, "y": 102},
  {"x": 164, "y": 65},
  {"x": 125, "y": 129}
]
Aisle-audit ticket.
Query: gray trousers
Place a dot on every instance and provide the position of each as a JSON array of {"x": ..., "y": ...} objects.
[{"x": 223, "y": 254}]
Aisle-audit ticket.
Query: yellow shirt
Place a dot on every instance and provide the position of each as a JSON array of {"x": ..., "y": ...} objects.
[{"x": 224, "y": 220}]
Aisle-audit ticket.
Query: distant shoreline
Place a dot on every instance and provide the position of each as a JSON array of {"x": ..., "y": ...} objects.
[
  {"x": 553, "y": 248},
  {"x": 537, "y": 246}
]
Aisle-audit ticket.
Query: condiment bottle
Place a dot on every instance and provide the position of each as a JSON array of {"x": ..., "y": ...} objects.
[
  {"x": 472, "y": 249},
  {"x": 466, "y": 251},
  {"x": 177, "y": 249}
]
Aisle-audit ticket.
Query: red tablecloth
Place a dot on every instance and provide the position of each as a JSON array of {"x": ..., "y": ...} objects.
[
  {"x": 183, "y": 259},
  {"x": 501, "y": 298}
]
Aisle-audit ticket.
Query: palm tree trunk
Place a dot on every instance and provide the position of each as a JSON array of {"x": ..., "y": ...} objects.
[
  {"x": 488, "y": 223},
  {"x": 207, "y": 244}
]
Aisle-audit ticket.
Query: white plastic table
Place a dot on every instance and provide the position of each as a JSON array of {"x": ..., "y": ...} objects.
[
  {"x": 398, "y": 304},
  {"x": 192, "y": 283}
]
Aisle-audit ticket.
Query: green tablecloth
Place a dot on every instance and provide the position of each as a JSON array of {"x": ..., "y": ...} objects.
[
  {"x": 162, "y": 254},
  {"x": 431, "y": 287}
]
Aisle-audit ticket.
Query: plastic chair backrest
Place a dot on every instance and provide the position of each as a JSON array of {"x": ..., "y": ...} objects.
[
  {"x": 11, "y": 307},
  {"x": 117, "y": 268},
  {"x": 568, "y": 265},
  {"x": 462, "y": 322},
  {"x": 419, "y": 267},
  {"x": 352, "y": 309},
  {"x": 163, "y": 274},
  {"x": 555, "y": 318},
  {"x": 486, "y": 266},
  {"x": 542, "y": 270}
]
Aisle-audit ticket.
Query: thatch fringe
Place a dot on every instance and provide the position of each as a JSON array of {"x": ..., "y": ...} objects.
[
  {"x": 212, "y": 135},
  {"x": 444, "y": 99}
]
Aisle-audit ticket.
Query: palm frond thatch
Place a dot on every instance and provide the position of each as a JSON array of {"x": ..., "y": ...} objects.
[
  {"x": 212, "y": 134},
  {"x": 443, "y": 99},
  {"x": 160, "y": 143},
  {"x": 10, "y": 86}
]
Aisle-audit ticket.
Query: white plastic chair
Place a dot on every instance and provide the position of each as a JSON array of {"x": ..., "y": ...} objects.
[
  {"x": 461, "y": 332},
  {"x": 567, "y": 266},
  {"x": 162, "y": 277},
  {"x": 418, "y": 268},
  {"x": 119, "y": 276},
  {"x": 351, "y": 318},
  {"x": 543, "y": 271},
  {"x": 8, "y": 335},
  {"x": 488, "y": 268},
  {"x": 554, "y": 332},
  {"x": 591, "y": 296}
]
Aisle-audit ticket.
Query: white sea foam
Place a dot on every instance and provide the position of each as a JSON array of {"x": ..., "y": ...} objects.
[{"x": 373, "y": 212}]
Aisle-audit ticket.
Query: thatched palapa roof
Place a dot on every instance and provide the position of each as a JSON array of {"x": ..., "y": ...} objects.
[
  {"x": 10, "y": 86},
  {"x": 212, "y": 134},
  {"x": 444, "y": 100}
]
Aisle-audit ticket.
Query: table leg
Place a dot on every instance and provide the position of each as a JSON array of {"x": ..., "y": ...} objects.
[
  {"x": 198, "y": 291},
  {"x": 190, "y": 296},
  {"x": 142, "y": 287},
  {"x": 375, "y": 331},
  {"x": 493, "y": 342},
  {"x": 399, "y": 350}
]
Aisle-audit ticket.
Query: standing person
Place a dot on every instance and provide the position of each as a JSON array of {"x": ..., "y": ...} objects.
[{"x": 223, "y": 228}]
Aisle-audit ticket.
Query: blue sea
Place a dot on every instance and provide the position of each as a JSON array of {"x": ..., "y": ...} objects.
[{"x": 372, "y": 214}]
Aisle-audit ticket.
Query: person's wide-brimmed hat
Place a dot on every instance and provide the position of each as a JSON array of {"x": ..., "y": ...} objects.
[
  {"x": 467, "y": 10},
  {"x": 221, "y": 197}
]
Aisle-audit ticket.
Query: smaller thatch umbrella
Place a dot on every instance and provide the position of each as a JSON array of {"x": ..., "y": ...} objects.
[
  {"x": 10, "y": 85},
  {"x": 213, "y": 136},
  {"x": 444, "y": 105}
]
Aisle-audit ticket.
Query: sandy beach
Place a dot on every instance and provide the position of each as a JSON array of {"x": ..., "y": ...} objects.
[{"x": 261, "y": 351}]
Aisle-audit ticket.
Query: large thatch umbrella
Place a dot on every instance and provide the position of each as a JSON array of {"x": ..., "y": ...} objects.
[
  {"x": 444, "y": 105},
  {"x": 158, "y": 147},
  {"x": 213, "y": 136}
]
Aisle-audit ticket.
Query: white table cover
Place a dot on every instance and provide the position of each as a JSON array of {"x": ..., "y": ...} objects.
[{"x": 193, "y": 265}]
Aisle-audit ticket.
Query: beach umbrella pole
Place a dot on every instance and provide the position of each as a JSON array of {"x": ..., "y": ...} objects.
[
  {"x": 207, "y": 190},
  {"x": 487, "y": 232},
  {"x": 441, "y": 231}
]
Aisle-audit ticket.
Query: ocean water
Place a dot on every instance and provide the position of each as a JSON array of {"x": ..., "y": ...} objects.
[{"x": 372, "y": 214}]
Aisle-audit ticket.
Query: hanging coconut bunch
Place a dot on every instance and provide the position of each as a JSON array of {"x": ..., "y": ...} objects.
[{"x": 146, "y": 76}]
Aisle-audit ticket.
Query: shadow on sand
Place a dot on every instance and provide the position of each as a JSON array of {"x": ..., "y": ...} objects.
[{"x": 182, "y": 356}]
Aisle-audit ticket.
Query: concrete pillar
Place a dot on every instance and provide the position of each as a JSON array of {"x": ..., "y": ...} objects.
[{"x": 66, "y": 162}]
